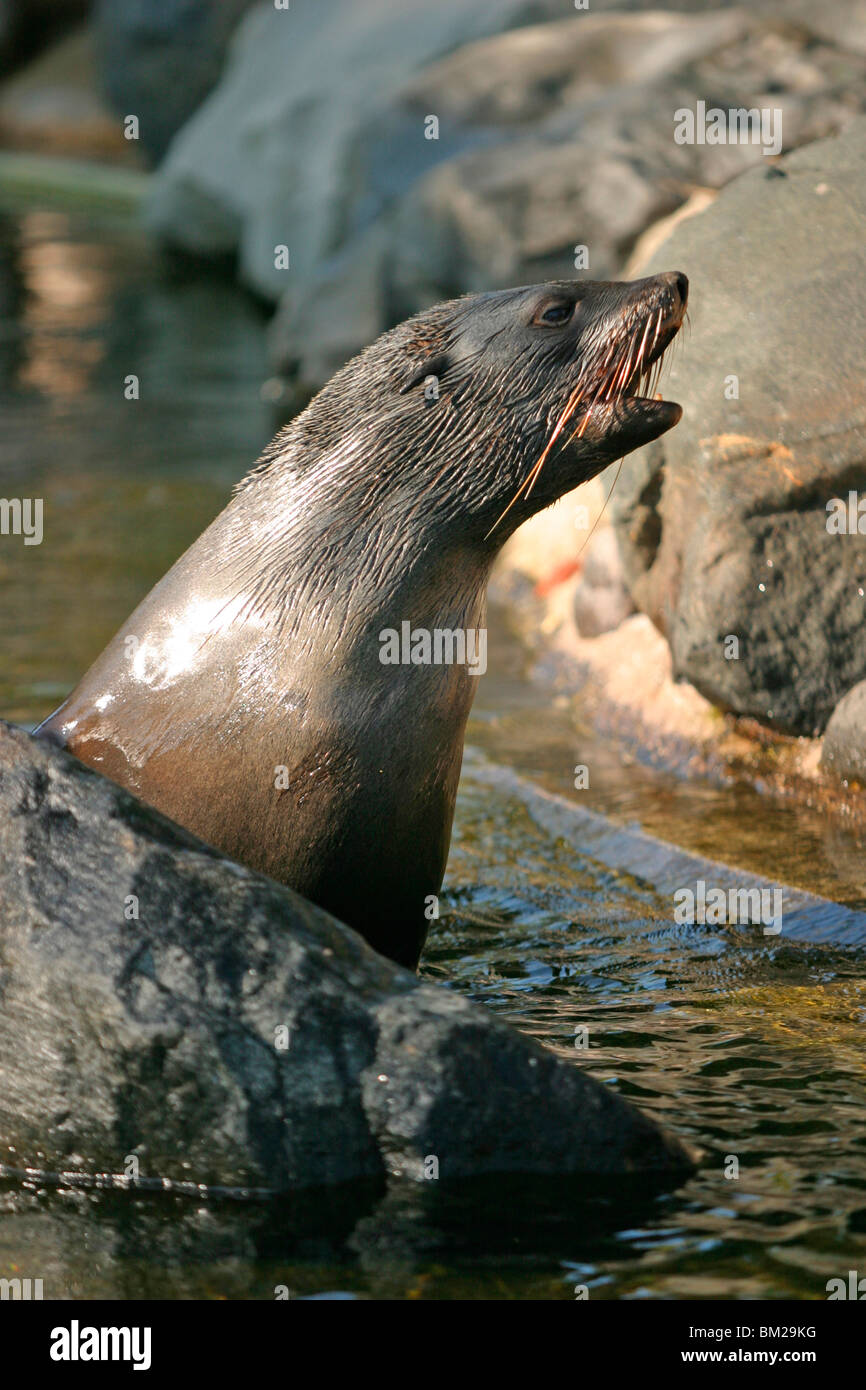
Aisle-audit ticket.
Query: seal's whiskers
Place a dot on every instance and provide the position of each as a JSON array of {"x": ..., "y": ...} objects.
[
  {"x": 528, "y": 482},
  {"x": 629, "y": 360}
]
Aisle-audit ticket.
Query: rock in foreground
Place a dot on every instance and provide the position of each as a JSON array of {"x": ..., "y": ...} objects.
[{"x": 171, "y": 1015}]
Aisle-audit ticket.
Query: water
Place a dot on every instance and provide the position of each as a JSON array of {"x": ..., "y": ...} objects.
[{"x": 749, "y": 1047}]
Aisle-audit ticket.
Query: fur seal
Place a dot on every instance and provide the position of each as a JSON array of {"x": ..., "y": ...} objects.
[{"x": 249, "y": 696}]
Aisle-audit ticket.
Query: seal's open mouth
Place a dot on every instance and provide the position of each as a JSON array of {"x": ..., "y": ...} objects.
[
  {"x": 614, "y": 403},
  {"x": 613, "y": 406},
  {"x": 627, "y": 373},
  {"x": 658, "y": 334}
]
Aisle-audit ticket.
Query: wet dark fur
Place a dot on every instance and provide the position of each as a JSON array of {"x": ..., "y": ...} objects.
[{"x": 260, "y": 648}]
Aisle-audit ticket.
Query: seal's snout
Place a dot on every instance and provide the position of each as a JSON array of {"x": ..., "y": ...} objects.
[
  {"x": 644, "y": 324},
  {"x": 666, "y": 294},
  {"x": 678, "y": 286},
  {"x": 640, "y": 320}
]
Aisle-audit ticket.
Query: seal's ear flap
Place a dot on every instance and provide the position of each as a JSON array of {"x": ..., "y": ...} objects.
[{"x": 436, "y": 365}]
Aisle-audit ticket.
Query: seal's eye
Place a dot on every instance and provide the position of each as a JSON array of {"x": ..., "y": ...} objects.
[{"x": 556, "y": 314}]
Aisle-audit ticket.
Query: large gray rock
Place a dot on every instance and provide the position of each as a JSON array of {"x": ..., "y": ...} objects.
[
  {"x": 844, "y": 748},
  {"x": 723, "y": 524},
  {"x": 160, "y": 58},
  {"x": 601, "y": 599},
  {"x": 154, "y": 1039},
  {"x": 265, "y": 162},
  {"x": 551, "y": 135}
]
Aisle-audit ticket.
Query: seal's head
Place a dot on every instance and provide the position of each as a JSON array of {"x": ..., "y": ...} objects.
[
  {"x": 559, "y": 368},
  {"x": 492, "y": 406}
]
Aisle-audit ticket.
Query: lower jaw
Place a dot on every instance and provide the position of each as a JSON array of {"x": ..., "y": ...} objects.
[{"x": 630, "y": 421}]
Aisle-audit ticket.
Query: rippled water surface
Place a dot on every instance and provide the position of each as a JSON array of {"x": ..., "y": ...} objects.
[{"x": 749, "y": 1047}]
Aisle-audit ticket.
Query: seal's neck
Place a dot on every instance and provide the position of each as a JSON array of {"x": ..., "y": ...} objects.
[{"x": 339, "y": 558}]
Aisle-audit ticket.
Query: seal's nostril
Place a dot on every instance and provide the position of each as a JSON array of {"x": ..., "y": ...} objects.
[{"x": 682, "y": 285}]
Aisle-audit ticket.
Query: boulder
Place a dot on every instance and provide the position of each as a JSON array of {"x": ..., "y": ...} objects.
[
  {"x": 737, "y": 529},
  {"x": 27, "y": 26},
  {"x": 454, "y": 148},
  {"x": 170, "y": 1016},
  {"x": 550, "y": 138},
  {"x": 160, "y": 61},
  {"x": 266, "y": 161},
  {"x": 601, "y": 599},
  {"x": 54, "y": 106},
  {"x": 844, "y": 749}
]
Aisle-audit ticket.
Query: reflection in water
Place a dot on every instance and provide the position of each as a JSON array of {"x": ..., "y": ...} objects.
[
  {"x": 126, "y": 483},
  {"x": 64, "y": 301},
  {"x": 750, "y": 1049}
]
